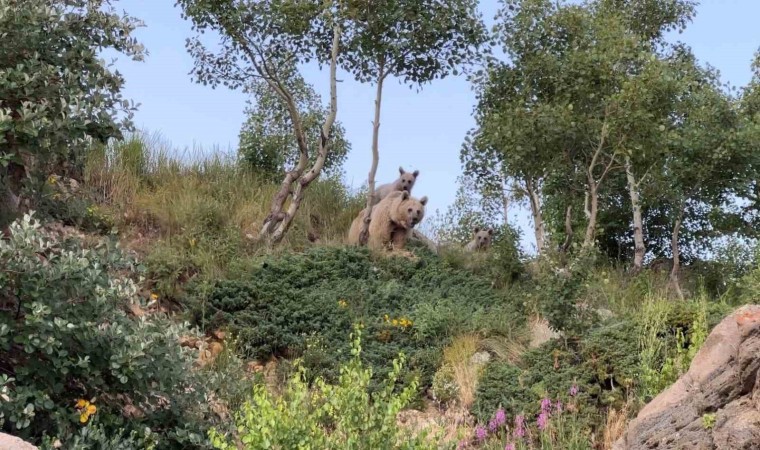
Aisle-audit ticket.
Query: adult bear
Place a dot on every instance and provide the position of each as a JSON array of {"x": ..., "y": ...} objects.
[{"x": 391, "y": 222}]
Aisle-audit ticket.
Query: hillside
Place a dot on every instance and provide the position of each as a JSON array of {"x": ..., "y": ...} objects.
[{"x": 154, "y": 298}]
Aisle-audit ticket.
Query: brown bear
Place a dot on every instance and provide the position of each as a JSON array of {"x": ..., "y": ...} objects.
[
  {"x": 405, "y": 182},
  {"x": 391, "y": 222},
  {"x": 481, "y": 239}
]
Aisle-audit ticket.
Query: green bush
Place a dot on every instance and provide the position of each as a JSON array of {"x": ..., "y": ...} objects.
[
  {"x": 66, "y": 337},
  {"x": 602, "y": 364},
  {"x": 559, "y": 294},
  {"x": 275, "y": 307},
  {"x": 345, "y": 415}
]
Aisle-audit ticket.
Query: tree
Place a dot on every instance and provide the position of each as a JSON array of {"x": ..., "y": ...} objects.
[
  {"x": 706, "y": 164},
  {"x": 55, "y": 93},
  {"x": 267, "y": 40},
  {"x": 416, "y": 41},
  {"x": 267, "y": 143}
]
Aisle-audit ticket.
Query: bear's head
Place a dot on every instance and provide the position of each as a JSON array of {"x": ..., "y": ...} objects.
[
  {"x": 407, "y": 179},
  {"x": 408, "y": 211},
  {"x": 482, "y": 237}
]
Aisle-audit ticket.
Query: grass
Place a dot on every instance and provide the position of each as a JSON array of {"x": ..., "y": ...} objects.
[{"x": 203, "y": 210}]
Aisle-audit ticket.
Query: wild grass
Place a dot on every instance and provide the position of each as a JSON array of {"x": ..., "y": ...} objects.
[
  {"x": 199, "y": 206},
  {"x": 458, "y": 355}
]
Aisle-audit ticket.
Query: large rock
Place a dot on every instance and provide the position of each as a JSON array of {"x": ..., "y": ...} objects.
[
  {"x": 8, "y": 442},
  {"x": 716, "y": 404}
]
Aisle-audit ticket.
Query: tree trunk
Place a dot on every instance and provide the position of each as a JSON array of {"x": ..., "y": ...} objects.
[
  {"x": 304, "y": 179},
  {"x": 568, "y": 229},
  {"x": 535, "y": 210},
  {"x": 592, "y": 206},
  {"x": 639, "y": 249},
  {"x": 505, "y": 199},
  {"x": 364, "y": 234},
  {"x": 675, "y": 272}
]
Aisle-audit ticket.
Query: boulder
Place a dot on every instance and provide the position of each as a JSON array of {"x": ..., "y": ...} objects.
[
  {"x": 716, "y": 404},
  {"x": 8, "y": 442}
]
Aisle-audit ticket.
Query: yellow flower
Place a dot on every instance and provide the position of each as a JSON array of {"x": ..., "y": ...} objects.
[
  {"x": 86, "y": 409},
  {"x": 395, "y": 322},
  {"x": 342, "y": 303},
  {"x": 51, "y": 179},
  {"x": 192, "y": 242},
  {"x": 387, "y": 318},
  {"x": 154, "y": 296}
]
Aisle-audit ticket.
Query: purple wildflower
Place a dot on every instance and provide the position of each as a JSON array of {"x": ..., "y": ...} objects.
[
  {"x": 480, "y": 433},
  {"x": 461, "y": 445},
  {"x": 520, "y": 426},
  {"x": 543, "y": 420},
  {"x": 510, "y": 446},
  {"x": 492, "y": 426},
  {"x": 500, "y": 417},
  {"x": 546, "y": 405},
  {"x": 574, "y": 390},
  {"x": 558, "y": 406}
]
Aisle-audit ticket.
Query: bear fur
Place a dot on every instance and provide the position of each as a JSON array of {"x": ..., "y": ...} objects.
[
  {"x": 481, "y": 239},
  {"x": 391, "y": 221},
  {"x": 405, "y": 182}
]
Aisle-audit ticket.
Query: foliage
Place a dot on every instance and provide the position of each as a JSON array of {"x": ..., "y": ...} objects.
[
  {"x": 56, "y": 92},
  {"x": 344, "y": 415},
  {"x": 670, "y": 338},
  {"x": 67, "y": 337},
  {"x": 560, "y": 293},
  {"x": 602, "y": 366},
  {"x": 276, "y": 305},
  {"x": 267, "y": 142}
]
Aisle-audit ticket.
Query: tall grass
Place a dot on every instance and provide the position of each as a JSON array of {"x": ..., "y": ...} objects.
[{"x": 199, "y": 206}]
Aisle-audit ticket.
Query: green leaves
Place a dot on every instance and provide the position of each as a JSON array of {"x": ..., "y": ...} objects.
[
  {"x": 55, "y": 90},
  {"x": 343, "y": 415},
  {"x": 267, "y": 143},
  {"x": 71, "y": 339}
]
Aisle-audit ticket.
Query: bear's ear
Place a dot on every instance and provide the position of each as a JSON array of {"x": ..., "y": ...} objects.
[
  {"x": 415, "y": 173},
  {"x": 490, "y": 231},
  {"x": 423, "y": 200},
  {"x": 401, "y": 170},
  {"x": 404, "y": 195},
  {"x": 476, "y": 230}
]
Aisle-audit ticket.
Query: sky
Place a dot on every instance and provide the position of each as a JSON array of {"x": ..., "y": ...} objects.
[{"x": 418, "y": 130}]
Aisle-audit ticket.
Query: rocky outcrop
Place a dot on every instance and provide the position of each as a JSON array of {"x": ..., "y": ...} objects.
[
  {"x": 716, "y": 404},
  {"x": 8, "y": 442}
]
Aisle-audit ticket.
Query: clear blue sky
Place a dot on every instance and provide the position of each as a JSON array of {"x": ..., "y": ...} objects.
[{"x": 418, "y": 130}]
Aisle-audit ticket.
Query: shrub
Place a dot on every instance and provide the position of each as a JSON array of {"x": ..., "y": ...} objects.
[
  {"x": 344, "y": 415},
  {"x": 602, "y": 365},
  {"x": 414, "y": 306},
  {"x": 67, "y": 338}
]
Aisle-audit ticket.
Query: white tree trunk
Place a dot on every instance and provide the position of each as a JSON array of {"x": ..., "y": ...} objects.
[
  {"x": 364, "y": 234},
  {"x": 675, "y": 272},
  {"x": 639, "y": 248},
  {"x": 304, "y": 179},
  {"x": 535, "y": 209}
]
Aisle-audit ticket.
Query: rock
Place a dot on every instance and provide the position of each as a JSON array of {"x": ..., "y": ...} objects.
[
  {"x": 8, "y": 442},
  {"x": 480, "y": 358},
  {"x": 716, "y": 404},
  {"x": 540, "y": 332}
]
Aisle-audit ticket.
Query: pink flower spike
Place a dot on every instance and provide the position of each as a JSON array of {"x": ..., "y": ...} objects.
[
  {"x": 558, "y": 406},
  {"x": 546, "y": 405},
  {"x": 520, "y": 426},
  {"x": 543, "y": 420},
  {"x": 510, "y": 446},
  {"x": 500, "y": 418},
  {"x": 574, "y": 390},
  {"x": 480, "y": 433}
]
